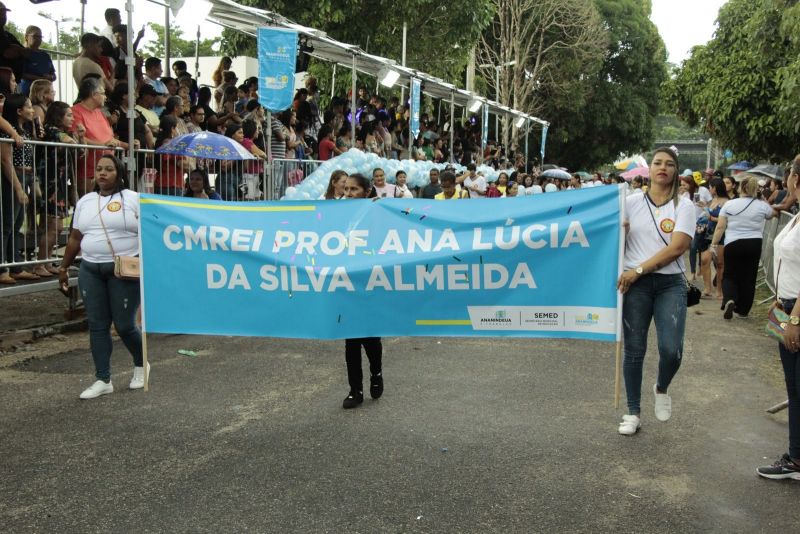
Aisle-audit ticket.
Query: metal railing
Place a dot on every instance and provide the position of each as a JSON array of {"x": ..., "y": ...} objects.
[
  {"x": 771, "y": 230},
  {"x": 289, "y": 173},
  {"x": 55, "y": 175}
]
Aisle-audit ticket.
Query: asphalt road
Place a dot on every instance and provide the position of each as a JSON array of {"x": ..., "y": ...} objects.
[{"x": 472, "y": 435}]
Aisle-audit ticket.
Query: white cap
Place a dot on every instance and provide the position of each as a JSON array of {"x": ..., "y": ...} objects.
[
  {"x": 537, "y": 188},
  {"x": 550, "y": 188}
]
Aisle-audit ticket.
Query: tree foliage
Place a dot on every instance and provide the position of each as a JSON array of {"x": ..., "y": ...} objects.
[
  {"x": 179, "y": 47},
  {"x": 593, "y": 68},
  {"x": 544, "y": 50},
  {"x": 623, "y": 96},
  {"x": 440, "y": 32},
  {"x": 743, "y": 87}
]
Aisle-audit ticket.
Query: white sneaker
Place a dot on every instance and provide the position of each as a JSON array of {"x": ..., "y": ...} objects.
[
  {"x": 630, "y": 425},
  {"x": 97, "y": 389},
  {"x": 663, "y": 405},
  {"x": 137, "y": 381}
]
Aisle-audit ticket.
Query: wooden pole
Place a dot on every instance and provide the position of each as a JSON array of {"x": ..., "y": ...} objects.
[
  {"x": 144, "y": 361},
  {"x": 617, "y": 375}
]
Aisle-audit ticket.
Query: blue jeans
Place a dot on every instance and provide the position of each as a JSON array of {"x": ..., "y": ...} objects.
[
  {"x": 791, "y": 372},
  {"x": 107, "y": 299},
  {"x": 653, "y": 296}
]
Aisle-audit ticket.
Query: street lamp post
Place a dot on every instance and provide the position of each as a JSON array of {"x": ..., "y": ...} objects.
[
  {"x": 57, "y": 22},
  {"x": 497, "y": 91}
]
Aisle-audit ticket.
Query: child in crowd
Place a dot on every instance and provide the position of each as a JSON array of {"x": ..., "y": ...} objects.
[{"x": 358, "y": 186}]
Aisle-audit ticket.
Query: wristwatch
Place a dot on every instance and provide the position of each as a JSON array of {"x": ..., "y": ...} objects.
[
  {"x": 639, "y": 270},
  {"x": 794, "y": 320}
]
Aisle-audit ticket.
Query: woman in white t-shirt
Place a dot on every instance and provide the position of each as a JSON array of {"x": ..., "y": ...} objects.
[
  {"x": 659, "y": 229},
  {"x": 787, "y": 284},
  {"x": 742, "y": 222},
  {"x": 106, "y": 224}
]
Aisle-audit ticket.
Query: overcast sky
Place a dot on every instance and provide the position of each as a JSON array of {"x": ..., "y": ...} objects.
[{"x": 682, "y": 23}]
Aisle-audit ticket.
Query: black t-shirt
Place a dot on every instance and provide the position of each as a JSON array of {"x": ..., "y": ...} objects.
[
  {"x": 431, "y": 190},
  {"x": 6, "y": 40}
]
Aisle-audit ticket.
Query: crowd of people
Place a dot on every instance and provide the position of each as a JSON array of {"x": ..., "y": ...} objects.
[{"x": 714, "y": 218}]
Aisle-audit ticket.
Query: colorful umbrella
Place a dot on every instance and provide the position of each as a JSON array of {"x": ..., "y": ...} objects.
[
  {"x": 633, "y": 162},
  {"x": 644, "y": 172},
  {"x": 206, "y": 145}
]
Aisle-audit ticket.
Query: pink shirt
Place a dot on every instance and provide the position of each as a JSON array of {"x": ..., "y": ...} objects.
[{"x": 98, "y": 130}]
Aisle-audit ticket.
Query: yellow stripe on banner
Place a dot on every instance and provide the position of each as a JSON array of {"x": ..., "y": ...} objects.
[
  {"x": 223, "y": 207},
  {"x": 444, "y": 322}
]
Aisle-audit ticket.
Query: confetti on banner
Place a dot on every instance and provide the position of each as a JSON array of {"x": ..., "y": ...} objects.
[
  {"x": 509, "y": 222},
  {"x": 319, "y": 215},
  {"x": 422, "y": 217},
  {"x": 456, "y": 258}
]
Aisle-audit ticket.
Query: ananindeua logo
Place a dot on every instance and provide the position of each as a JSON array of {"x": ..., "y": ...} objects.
[
  {"x": 589, "y": 319},
  {"x": 500, "y": 317}
]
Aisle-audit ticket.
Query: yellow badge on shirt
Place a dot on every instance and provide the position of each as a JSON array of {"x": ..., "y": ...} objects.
[
  {"x": 116, "y": 206},
  {"x": 667, "y": 226}
]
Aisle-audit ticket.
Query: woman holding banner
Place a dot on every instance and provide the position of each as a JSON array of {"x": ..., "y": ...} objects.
[
  {"x": 787, "y": 288},
  {"x": 358, "y": 186},
  {"x": 660, "y": 226},
  {"x": 106, "y": 225}
]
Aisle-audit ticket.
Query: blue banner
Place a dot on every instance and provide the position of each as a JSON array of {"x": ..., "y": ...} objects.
[
  {"x": 485, "y": 125},
  {"x": 414, "y": 111},
  {"x": 277, "y": 56},
  {"x": 542, "y": 266},
  {"x": 544, "y": 140}
]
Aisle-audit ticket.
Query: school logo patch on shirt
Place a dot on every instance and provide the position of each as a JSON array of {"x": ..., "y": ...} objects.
[
  {"x": 667, "y": 226},
  {"x": 116, "y": 206}
]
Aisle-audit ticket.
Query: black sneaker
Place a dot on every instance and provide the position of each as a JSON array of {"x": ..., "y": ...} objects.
[
  {"x": 783, "y": 468},
  {"x": 376, "y": 386},
  {"x": 729, "y": 306},
  {"x": 353, "y": 399}
]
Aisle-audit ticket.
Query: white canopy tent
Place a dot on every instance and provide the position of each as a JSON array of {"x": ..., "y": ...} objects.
[{"x": 230, "y": 14}]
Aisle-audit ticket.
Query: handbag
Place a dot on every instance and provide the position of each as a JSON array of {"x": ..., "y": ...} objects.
[
  {"x": 125, "y": 267},
  {"x": 777, "y": 319},
  {"x": 693, "y": 292}
]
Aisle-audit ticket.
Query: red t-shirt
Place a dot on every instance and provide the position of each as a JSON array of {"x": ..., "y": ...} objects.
[
  {"x": 170, "y": 174},
  {"x": 326, "y": 147}
]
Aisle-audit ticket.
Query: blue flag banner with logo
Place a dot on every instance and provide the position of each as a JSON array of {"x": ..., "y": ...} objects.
[
  {"x": 542, "y": 266},
  {"x": 544, "y": 140},
  {"x": 277, "y": 57},
  {"x": 414, "y": 110}
]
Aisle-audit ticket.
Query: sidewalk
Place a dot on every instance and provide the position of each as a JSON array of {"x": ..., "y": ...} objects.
[{"x": 472, "y": 435}]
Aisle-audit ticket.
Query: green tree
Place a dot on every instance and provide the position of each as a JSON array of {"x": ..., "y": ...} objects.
[
  {"x": 624, "y": 95},
  {"x": 179, "y": 47},
  {"x": 742, "y": 86},
  {"x": 545, "y": 51},
  {"x": 440, "y": 32}
]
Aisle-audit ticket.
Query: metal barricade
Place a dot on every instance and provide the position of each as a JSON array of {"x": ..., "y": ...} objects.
[
  {"x": 771, "y": 230},
  {"x": 289, "y": 173}
]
